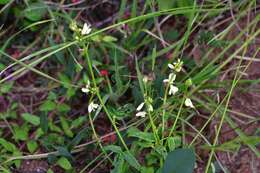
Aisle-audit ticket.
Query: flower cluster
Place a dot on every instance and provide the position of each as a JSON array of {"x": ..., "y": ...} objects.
[
  {"x": 148, "y": 103},
  {"x": 173, "y": 89},
  {"x": 177, "y": 67},
  {"x": 80, "y": 31},
  {"x": 87, "y": 88},
  {"x": 92, "y": 106}
]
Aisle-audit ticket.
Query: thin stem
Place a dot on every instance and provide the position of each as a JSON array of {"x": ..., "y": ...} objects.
[
  {"x": 164, "y": 110},
  {"x": 101, "y": 100}
]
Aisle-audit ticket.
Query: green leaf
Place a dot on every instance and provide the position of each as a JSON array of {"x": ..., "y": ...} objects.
[
  {"x": 134, "y": 132},
  {"x": 48, "y": 106},
  {"x": 2, "y": 2},
  {"x": 50, "y": 171},
  {"x": 64, "y": 163},
  {"x": 131, "y": 160},
  {"x": 32, "y": 146},
  {"x": 76, "y": 140},
  {"x": 65, "y": 79},
  {"x": 63, "y": 107},
  {"x": 44, "y": 122},
  {"x": 109, "y": 38},
  {"x": 21, "y": 133},
  {"x": 54, "y": 128},
  {"x": 64, "y": 152},
  {"x": 33, "y": 119},
  {"x": 184, "y": 3},
  {"x": 7, "y": 145},
  {"x": 119, "y": 165},
  {"x": 179, "y": 160},
  {"x": 147, "y": 170},
  {"x": 35, "y": 11},
  {"x": 166, "y": 4},
  {"x": 17, "y": 162},
  {"x": 113, "y": 148},
  {"x": 161, "y": 150},
  {"x": 77, "y": 122},
  {"x": 174, "y": 142},
  {"x": 65, "y": 126},
  {"x": 6, "y": 87},
  {"x": 38, "y": 133}
]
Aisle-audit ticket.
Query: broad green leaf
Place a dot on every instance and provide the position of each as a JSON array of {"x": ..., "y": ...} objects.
[
  {"x": 113, "y": 148},
  {"x": 63, "y": 107},
  {"x": 131, "y": 160},
  {"x": 134, "y": 132},
  {"x": 48, "y": 106},
  {"x": 65, "y": 126},
  {"x": 20, "y": 133},
  {"x": 35, "y": 11},
  {"x": 179, "y": 160},
  {"x": 32, "y": 146},
  {"x": 33, "y": 119},
  {"x": 7, "y": 145},
  {"x": 64, "y": 163},
  {"x": 2, "y": 2}
]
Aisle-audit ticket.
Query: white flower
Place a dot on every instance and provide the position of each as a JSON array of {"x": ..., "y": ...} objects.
[
  {"x": 188, "y": 103},
  {"x": 141, "y": 114},
  {"x": 173, "y": 90},
  {"x": 170, "y": 79},
  {"x": 86, "y": 89},
  {"x": 145, "y": 79},
  {"x": 171, "y": 66},
  {"x": 177, "y": 66},
  {"x": 92, "y": 107},
  {"x": 140, "y": 106},
  {"x": 86, "y": 29}
]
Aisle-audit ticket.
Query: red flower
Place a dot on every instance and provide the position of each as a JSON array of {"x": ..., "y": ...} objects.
[
  {"x": 103, "y": 72},
  {"x": 74, "y": 1},
  {"x": 16, "y": 54},
  {"x": 110, "y": 139}
]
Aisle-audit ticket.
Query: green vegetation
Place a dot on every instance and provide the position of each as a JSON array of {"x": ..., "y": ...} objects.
[{"x": 147, "y": 91}]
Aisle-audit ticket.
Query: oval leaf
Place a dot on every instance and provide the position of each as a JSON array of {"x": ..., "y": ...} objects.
[
  {"x": 33, "y": 119},
  {"x": 179, "y": 160},
  {"x": 64, "y": 163}
]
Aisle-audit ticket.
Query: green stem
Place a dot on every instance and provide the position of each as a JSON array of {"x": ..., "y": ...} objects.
[
  {"x": 164, "y": 111},
  {"x": 100, "y": 99}
]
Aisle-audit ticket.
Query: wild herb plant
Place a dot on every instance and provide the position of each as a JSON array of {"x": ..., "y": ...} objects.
[{"x": 122, "y": 95}]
